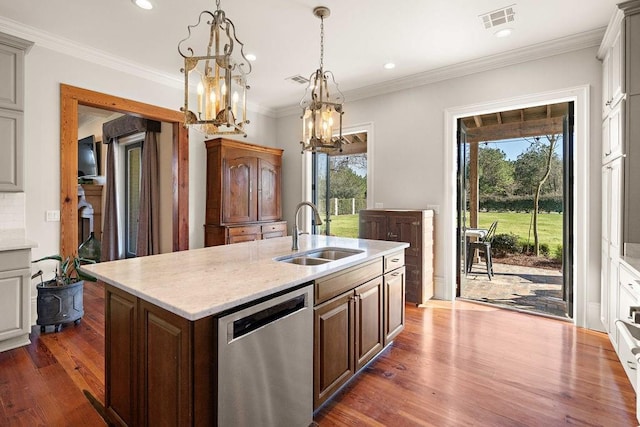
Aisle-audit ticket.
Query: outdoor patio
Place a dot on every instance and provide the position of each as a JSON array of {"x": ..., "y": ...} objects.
[{"x": 512, "y": 286}]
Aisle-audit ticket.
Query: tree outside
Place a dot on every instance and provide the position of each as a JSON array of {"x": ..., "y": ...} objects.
[
  {"x": 529, "y": 183},
  {"x": 346, "y": 194}
]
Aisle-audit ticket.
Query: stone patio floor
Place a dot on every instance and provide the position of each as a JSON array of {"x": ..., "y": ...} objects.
[{"x": 512, "y": 286}]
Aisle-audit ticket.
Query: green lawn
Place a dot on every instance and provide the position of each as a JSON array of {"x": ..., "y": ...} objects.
[
  {"x": 518, "y": 223},
  {"x": 344, "y": 225},
  {"x": 549, "y": 226}
]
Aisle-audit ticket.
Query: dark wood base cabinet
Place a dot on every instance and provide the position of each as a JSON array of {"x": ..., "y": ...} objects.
[
  {"x": 159, "y": 366},
  {"x": 358, "y": 312},
  {"x": 411, "y": 226},
  {"x": 161, "y": 369}
]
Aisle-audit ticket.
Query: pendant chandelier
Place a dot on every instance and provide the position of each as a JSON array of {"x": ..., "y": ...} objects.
[
  {"x": 322, "y": 104},
  {"x": 220, "y": 74}
]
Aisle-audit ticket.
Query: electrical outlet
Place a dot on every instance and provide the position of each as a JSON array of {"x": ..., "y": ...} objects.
[
  {"x": 52, "y": 216},
  {"x": 379, "y": 205}
]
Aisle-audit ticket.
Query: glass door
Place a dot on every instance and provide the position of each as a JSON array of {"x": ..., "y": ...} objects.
[{"x": 461, "y": 204}]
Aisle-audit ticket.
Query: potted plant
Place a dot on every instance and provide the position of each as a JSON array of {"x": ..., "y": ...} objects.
[{"x": 60, "y": 299}]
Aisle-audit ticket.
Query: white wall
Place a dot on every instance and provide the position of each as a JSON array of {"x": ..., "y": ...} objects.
[
  {"x": 409, "y": 164},
  {"x": 45, "y": 71}
]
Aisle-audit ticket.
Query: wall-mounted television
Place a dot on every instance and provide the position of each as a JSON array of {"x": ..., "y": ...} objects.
[{"x": 87, "y": 157}]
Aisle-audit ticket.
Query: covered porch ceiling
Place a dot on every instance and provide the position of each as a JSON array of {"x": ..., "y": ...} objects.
[
  {"x": 506, "y": 125},
  {"x": 521, "y": 123}
]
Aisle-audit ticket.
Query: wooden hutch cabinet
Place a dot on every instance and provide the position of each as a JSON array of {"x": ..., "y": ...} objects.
[
  {"x": 411, "y": 226},
  {"x": 243, "y": 192}
]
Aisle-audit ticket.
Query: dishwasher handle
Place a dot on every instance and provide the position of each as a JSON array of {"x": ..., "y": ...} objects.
[{"x": 257, "y": 320}]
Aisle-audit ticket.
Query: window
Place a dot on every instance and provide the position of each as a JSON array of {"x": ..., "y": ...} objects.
[
  {"x": 339, "y": 187},
  {"x": 132, "y": 168}
]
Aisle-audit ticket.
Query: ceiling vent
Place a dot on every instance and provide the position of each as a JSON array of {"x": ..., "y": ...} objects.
[
  {"x": 297, "y": 79},
  {"x": 498, "y": 17}
]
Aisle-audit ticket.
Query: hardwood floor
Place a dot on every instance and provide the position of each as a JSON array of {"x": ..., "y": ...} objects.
[{"x": 454, "y": 364}]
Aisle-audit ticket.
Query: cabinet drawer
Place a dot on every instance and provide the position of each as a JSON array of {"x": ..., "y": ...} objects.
[
  {"x": 274, "y": 235},
  {"x": 629, "y": 280},
  {"x": 275, "y": 228},
  {"x": 14, "y": 260},
  {"x": 241, "y": 231},
  {"x": 626, "y": 300},
  {"x": 626, "y": 348},
  {"x": 393, "y": 261},
  {"x": 335, "y": 284}
]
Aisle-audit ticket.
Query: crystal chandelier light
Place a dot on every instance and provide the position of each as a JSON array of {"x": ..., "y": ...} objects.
[
  {"x": 220, "y": 74},
  {"x": 322, "y": 104}
]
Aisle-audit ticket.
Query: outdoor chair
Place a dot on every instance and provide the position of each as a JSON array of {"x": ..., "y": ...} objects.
[{"x": 483, "y": 245}]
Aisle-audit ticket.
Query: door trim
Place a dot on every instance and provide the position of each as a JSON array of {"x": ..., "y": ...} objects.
[{"x": 586, "y": 284}]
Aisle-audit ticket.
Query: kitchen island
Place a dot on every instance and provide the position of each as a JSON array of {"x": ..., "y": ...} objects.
[{"x": 162, "y": 346}]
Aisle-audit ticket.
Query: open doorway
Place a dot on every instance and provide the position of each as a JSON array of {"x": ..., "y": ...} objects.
[
  {"x": 515, "y": 209},
  {"x": 339, "y": 186}
]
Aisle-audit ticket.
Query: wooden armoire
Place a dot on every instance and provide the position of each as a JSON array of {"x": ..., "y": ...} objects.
[
  {"x": 244, "y": 188},
  {"x": 411, "y": 226}
]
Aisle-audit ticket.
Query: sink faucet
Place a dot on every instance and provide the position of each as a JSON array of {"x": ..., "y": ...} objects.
[{"x": 296, "y": 231}]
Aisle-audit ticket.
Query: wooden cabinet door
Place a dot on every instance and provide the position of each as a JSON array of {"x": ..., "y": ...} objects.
[
  {"x": 369, "y": 336},
  {"x": 240, "y": 183},
  {"x": 333, "y": 361},
  {"x": 165, "y": 367},
  {"x": 269, "y": 206},
  {"x": 373, "y": 226},
  {"x": 406, "y": 228},
  {"x": 394, "y": 284},
  {"x": 120, "y": 357}
]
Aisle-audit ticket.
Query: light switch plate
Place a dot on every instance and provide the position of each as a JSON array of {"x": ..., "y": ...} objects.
[{"x": 52, "y": 216}]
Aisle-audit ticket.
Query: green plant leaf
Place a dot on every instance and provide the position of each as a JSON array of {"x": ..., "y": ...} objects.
[{"x": 52, "y": 257}]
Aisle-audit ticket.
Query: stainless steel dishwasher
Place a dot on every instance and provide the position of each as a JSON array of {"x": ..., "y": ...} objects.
[{"x": 265, "y": 363}]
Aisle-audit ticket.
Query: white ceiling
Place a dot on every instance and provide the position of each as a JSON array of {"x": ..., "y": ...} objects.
[{"x": 360, "y": 35}]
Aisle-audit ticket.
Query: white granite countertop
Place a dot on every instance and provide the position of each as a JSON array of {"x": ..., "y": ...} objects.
[
  {"x": 201, "y": 282},
  {"x": 12, "y": 240}
]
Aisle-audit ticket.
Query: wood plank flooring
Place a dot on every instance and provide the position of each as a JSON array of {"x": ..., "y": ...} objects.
[{"x": 454, "y": 364}]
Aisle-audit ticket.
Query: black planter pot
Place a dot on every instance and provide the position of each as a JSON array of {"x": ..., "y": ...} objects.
[{"x": 59, "y": 304}]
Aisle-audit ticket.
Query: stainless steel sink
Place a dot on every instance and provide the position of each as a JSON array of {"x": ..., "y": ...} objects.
[
  {"x": 333, "y": 253},
  {"x": 319, "y": 256},
  {"x": 303, "y": 260}
]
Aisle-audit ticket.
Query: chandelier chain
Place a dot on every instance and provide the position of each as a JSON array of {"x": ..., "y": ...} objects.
[
  {"x": 321, "y": 42},
  {"x": 217, "y": 4}
]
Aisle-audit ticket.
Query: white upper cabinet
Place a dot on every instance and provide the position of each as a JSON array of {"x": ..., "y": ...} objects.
[{"x": 12, "y": 51}]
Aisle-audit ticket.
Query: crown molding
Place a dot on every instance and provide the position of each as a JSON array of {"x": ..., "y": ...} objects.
[
  {"x": 613, "y": 29},
  {"x": 512, "y": 57},
  {"x": 17, "y": 30},
  {"x": 86, "y": 53}
]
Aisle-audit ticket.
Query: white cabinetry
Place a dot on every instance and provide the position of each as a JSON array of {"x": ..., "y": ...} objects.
[
  {"x": 15, "y": 318},
  {"x": 12, "y": 51},
  {"x": 613, "y": 106},
  {"x": 612, "y": 73}
]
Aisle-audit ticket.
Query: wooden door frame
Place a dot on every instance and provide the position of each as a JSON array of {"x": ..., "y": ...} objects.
[{"x": 70, "y": 98}]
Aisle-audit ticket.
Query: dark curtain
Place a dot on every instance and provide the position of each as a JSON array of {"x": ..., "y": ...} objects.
[
  {"x": 110, "y": 243},
  {"x": 149, "y": 218},
  {"x": 148, "y": 225}
]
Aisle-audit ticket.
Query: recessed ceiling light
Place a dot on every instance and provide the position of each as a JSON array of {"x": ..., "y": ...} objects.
[
  {"x": 250, "y": 57},
  {"x": 505, "y": 32},
  {"x": 389, "y": 66},
  {"x": 143, "y": 4}
]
